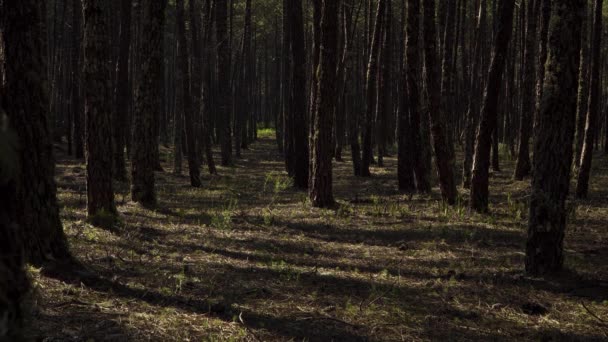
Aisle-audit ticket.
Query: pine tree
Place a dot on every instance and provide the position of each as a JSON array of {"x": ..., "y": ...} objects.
[
  {"x": 321, "y": 189},
  {"x": 553, "y": 146},
  {"x": 148, "y": 104},
  {"x": 33, "y": 203},
  {"x": 98, "y": 108},
  {"x": 488, "y": 117}
]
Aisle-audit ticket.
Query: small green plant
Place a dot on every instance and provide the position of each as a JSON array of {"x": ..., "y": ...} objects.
[
  {"x": 516, "y": 209},
  {"x": 344, "y": 210},
  {"x": 268, "y": 216},
  {"x": 222, "y": 219}
]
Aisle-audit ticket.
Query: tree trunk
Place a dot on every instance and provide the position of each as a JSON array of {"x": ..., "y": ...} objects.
[
  {"x": 14, "y": 283},
  {"x": 33, "y": 200},
  {"x": 206, "y": 98},
  {"x": 472, "y": 116},
  {"x": 584, "y": 172},
  {"x": 488, "y": 117},
  {"x": 98, "y": 108},
  {"x": 189, "y": 122},
  {"x": 148, "y": 104},
  {"x": 371, "y": 90},
  {"x": 223, "y": 80},
  {"x": 444, "y": 151},
  {"x": 77, "y": 105},
  {"x": 583, "y": 89},
  {"x": 321, "y": 193},
  {"x": 553, "y": 145},
  {"x": 523, "y": 166},
  {"x": 298, "y": 89}
]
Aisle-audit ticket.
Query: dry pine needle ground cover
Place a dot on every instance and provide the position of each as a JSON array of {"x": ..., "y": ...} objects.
[{"x": 245, "y": 258}]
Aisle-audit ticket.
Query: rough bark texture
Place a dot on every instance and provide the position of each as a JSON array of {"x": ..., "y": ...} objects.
[
  {"x": 26, "y": 103},
  {"x": 122, "y": 93},
  {"x": 189, "y": 122},
  {"x": 223, "y": 80},
  {"x": 98, "y": 109},
  {"x": 553, "y": 146},
  {"x": 488, "y": 117},
  {"x": 444, "y": 151},
  {"x": 321, "y": 192},
  {"x": 584, "y": 172},
  {"x": 148, "y": 104}
]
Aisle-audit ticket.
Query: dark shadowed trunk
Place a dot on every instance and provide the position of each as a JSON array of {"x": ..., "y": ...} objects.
[
  {"x": 488, "y": 117},
  {"x": 98, "y": 107},
  {"x": 553, "y": 145},
  {"x": 321, "y": 190}
]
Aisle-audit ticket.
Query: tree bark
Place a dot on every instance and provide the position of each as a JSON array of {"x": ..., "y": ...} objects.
[
  {"x": 223, "y": 81},
  {"x": 584, "y": 172},
  {"x": 24, "y": 98},
  {"x": 77, "y": 105},
  {"x": 488, "y": 117},
  {"x": 98, "y": 108},
  {"x": 298, "y": 88},
  {"x": 321, "y": 192},
  {"x": 583, "y": 89},
  {"x": 122, "y": 93},
  {"x": 189, "y": 122},
  {"x": 553, "y": 145},
  {"x": 371, "y": 90},
  {"x": 148, "y": 104},
  {"x": 523, "y": 165},
  {"x": 444, "y": 151}
]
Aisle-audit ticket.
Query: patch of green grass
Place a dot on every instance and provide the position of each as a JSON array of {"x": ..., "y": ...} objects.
[{"x": 267, "y": 133}]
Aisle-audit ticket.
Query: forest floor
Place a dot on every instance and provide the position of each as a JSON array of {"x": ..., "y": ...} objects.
[{"x": 245, "y": 258}]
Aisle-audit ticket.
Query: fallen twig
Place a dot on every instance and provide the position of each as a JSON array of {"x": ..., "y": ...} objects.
[{"x": 592, "y": 314}]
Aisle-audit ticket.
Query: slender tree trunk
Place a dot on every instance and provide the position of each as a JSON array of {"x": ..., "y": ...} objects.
[
  {"x": 583, "y": 89},
  {"x": 321, "y": 193},
  {"x": 593, "y": 111},
  {"x": 122, "y": 93},
  {"x": 206, "y": 101},
  {"x": 98, "y": 108},
  {"x": 553, "y": 145},
  {"x": 298, "y": 88},
  {"x": 545, "y": 16},
  {"x": 77, "y": 105},
  {"x": 148, "y": 104},
  {"x": 472, "y": 118},
  {"x": 371, "y": 90},
  {"x": 444, "y": 151},
  {"x": 488, "y": 118},
  {"x": 196, "y": 64},
  {"x": 223, "y": 80},
  {"x": 523, "y": 165},
  {"x": 189, "y": 122}
]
